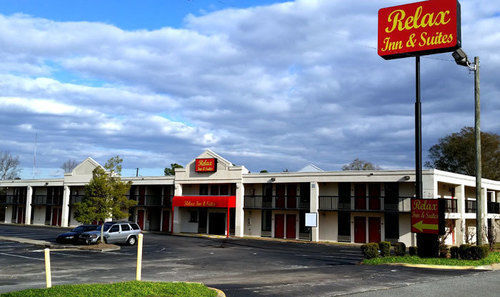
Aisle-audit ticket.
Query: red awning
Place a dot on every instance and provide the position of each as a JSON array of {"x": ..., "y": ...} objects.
[{"x": 204, "y": 201}]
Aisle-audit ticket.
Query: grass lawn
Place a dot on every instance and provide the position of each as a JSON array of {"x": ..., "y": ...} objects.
[
  {"x": 493, "y": 257},
  {"x": 125, "y": 289}
]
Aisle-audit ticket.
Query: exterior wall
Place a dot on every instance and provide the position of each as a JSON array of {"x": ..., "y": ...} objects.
[
  {"x": 8, "y": 214},
  {"x": 405, "y": 234},
  {"x": 328, "y": 222},
  {"x": 253, "y": 222},
  {"x": 38, "y": 215},
  {"x": 72, "y": 221},
  {"x": 329, "y": 189},
  {"x": 406, "y": 189},
  {"x": 183, "y": 216}
]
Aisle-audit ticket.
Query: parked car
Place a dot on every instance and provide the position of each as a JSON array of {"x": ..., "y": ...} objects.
[
  {"x": 114, "y": 232},
  {"x": 73, "y": 235}
]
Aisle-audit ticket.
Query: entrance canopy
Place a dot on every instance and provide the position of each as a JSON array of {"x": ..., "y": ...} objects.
[{"x": 204, "y": 201}]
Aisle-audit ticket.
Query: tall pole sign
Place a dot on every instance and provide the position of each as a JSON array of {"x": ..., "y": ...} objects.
[{"x": 413, "y": 30}]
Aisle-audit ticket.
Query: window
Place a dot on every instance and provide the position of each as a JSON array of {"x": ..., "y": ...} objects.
[
  {"x": 214, "y": 190},
  {"x": 125, "y": 227},
  {"x": 135, "y": 226},
  {"x": 266, "y": 220},
  {"x": 224, "y": 190},
  {"x": 203, "y": 189},
  {"x": 344, "y": 223},
  {"x": 391, "y": 223},
  {"x": 193, "y": 216},
  {"x": 115, "y": 228}
]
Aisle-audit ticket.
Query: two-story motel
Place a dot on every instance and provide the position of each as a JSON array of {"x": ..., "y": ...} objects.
[{"x": 351, "y": 206}]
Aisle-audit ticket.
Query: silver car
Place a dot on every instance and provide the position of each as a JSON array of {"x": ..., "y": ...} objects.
[{"x": 114, "y": 232}]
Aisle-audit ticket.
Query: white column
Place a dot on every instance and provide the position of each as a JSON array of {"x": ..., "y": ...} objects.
[
  {"x": 239, "y": 212},
  {"x": 65, "y": 208},
  {"x": 29, "y": 198},
  {"x": 313, "y": 207},
  {"x": 460, "y": 226},
  {"x": 177, "y": 213}
]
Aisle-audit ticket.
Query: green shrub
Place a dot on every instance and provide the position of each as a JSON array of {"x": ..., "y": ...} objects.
[
  {"x": 399, "y": 249},
  {"x": 463, "y": 251},
  {"x": 477, "y": 252},
  {"x": 454, "y": 252},
  {"x": 370, "y": 250},
  {"x": 443, "y": 251},
  {"x": 485, "y": 251},
  {"x": 412, "y": 250},
  {"x": 385, "y": 248}
]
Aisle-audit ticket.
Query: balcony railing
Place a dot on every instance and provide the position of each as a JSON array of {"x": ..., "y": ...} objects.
[
  {"x": 401, "y": 204},
  {"x": 152, "y": 200},
  {"x": 470, "y": 206},
  {"x": 494, "y": 207},
  {"x": 276, "y": 202},
  {"x": 450, "y": 205},
  {"x": 12, "y": 200},
  {"x": 45, "y": 200}
]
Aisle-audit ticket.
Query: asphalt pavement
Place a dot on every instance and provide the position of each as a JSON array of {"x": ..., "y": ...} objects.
[{"x": 239, "y": 267}]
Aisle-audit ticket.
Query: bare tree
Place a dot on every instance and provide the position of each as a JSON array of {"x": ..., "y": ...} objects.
[
  {"x": 69, "y": 165},
  {"x": 9, "y": 166},
  {"x": 358, "y": 164}
]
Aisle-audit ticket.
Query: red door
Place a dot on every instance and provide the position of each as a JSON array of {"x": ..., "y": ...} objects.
[
  {"x": 55, "y": 217},
  {"x": 291, "y": 197},
  {"x": 166, "y": 220},
  {"x": 360, "y": 196},
  {"x": 20, "y": 215},
  {"x": 279, "y": 226},
  {"x": 59, "y": 216},
  {"x": 140, "y": 218},
  {"x": 290, "y": 226},
  {"x": 360, "y": 229},
  {"x": 374, "y": 229},
  {"x": 374, "y": 190}
]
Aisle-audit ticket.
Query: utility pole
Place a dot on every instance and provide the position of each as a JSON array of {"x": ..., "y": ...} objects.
[{"x": 477, "y": 130}]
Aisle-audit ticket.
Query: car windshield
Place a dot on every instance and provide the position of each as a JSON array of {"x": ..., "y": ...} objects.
[
  {"x": 107, "y": 226},
  {"x": 79, "y": 229},
  {"x": 91, "y": 228}
]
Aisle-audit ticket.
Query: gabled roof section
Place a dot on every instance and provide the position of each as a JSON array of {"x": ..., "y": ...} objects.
[
  {"x": 85, "y": 168},
  {"x": 311, "y": 168},
  {"x": 208, "y": 153}
]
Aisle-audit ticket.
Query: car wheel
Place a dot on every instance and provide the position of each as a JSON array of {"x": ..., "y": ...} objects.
[{"x": 131, "y": 240}]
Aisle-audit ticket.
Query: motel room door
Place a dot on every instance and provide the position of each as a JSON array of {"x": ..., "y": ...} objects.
[
  {"x": 290, "y": 226},
  {"x": 166, "y": 221},
  {"x": 374, "y": 229},
  {"x": 359, "y": 229},
  {"x": 217, "y": 223},
  {"x": 279, "y": 225},
  {"x": 140, "y": 218}
]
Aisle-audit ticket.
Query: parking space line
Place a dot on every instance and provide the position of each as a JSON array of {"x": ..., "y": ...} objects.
[{"x": 19, "y": 256}]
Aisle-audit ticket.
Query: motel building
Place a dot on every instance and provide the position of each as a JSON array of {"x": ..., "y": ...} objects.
[{"x": 211, "y": 195}]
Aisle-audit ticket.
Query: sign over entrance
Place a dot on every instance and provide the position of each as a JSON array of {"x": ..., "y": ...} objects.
[
  {"x": 205, "y": 165},
  {"x": 420, "y": 28},
  {"x": 425, "y": 216}
]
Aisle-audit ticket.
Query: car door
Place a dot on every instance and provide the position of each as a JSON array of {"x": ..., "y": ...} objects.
[
  {"x": 114, "y": 234},
  {"x": 126, "y": 231}
]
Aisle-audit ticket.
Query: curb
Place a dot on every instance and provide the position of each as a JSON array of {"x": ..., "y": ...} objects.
[
  {"x": 447, "y": 267},
  {"x": 220, "y": 293},
  {"x": 56, "y": 247}
]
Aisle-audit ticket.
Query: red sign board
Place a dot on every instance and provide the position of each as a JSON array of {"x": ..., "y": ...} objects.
[
  {"x": 204, "y": 201},
  {"x": 425, "y": 216},
  {"x": 420, "y": 28},
  {"x": 205, "y": 165}
]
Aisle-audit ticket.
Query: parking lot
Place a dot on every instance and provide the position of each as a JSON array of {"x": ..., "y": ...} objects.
[{"x": 240, "y": 267}]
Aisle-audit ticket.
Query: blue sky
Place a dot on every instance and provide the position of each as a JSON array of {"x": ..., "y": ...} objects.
[
  {"x": 266, "y": 84},
  {"x": 126, "y": 14}
]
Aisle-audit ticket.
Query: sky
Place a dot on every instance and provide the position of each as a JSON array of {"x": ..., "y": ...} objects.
[{"x": 266, "y": 84}]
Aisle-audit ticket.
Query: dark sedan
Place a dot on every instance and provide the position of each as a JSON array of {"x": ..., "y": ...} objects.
[{"x": 72, "y": 236}]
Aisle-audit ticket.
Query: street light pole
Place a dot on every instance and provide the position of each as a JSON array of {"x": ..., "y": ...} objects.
[{"x": 477, "y": 131}]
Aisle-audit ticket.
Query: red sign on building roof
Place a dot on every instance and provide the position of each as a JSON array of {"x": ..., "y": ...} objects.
[
  {"x": 420, "y": 28},
  {"x": 425, "y": 216},
  {"x": 205, "y": 165}
]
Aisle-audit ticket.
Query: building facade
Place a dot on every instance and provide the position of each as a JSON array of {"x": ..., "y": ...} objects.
[{"x": 213, "y": 196}]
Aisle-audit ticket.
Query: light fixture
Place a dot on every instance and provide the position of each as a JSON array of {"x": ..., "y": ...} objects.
[
  {"x": 406, "y": 177},
  {"x": 273, "y": 179},
  {"x": 461, "y": 57}
]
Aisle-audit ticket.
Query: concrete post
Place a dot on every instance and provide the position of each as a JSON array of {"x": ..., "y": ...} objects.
[
  {"x": 484, "y": 216},
  {"x": 460, "y": 226},
  {"x": 177, "y": 214},
  {"x": 65, "y": 208},
  {"x": 29, "y": 199},
  {"x": 313, "y": 207},
  {"x": 239, "y": 212}
]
